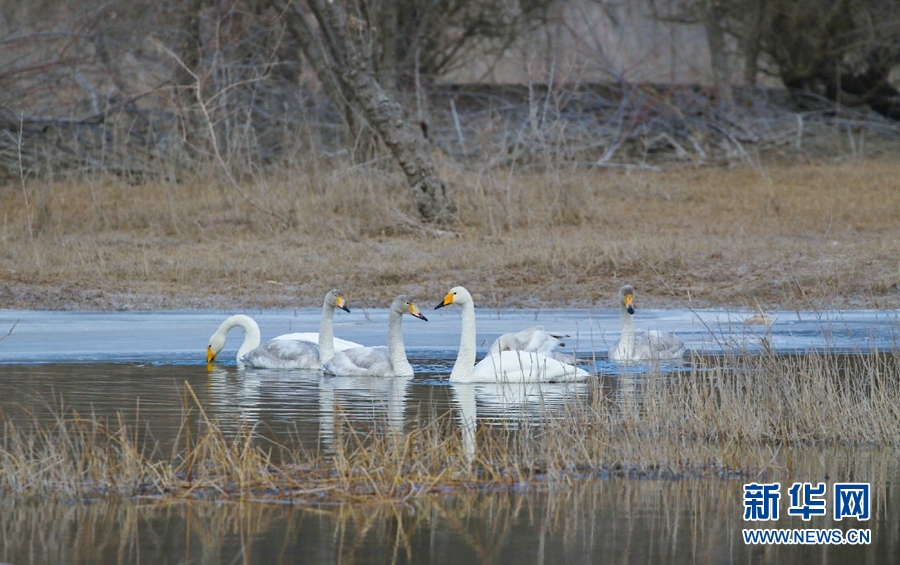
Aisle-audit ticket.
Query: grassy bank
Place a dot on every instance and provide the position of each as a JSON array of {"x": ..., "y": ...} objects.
[
  {"x": 738, "y": 416},
  {"x": 793, "y": 236}
]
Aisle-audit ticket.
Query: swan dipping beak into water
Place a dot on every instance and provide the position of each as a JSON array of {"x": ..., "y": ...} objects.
[{"x": 500, "y": 366}]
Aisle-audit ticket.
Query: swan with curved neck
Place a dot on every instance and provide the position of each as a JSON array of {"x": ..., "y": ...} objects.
[
  {"x": 379, "y": 361},
  {"x": 500, "y": 366},
  {"x": 217, "y": 340},
  {"x": 290, "y": 351},
  {"x": 642, "y": 345}
]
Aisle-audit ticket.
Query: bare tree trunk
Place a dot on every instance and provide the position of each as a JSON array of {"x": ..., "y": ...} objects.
[
  {"x": 406, "y": 144},
  {"x": 715, "y": 37},
  {"x": 341, "y": 53},
  {"x": 189, "y": 50},
  {"x": 751, "y": 42},
  {"x": 387, "y": 37}
]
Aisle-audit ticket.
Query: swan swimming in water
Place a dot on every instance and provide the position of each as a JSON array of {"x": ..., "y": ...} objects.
[
  {"x": 642, "y": 345},
  {"x": 500, "y": 366},
  {"x": 536, "y": 340},
  {"x": 379, "y": 361},
  {"x": 303, "y": 350}
]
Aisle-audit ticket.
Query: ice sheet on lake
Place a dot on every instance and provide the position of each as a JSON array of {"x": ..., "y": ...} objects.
[{"x": 181, "y": 336}]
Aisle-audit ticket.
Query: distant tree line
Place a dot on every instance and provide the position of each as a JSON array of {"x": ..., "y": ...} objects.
[
  {"x": 845, "y": 50},
  {"x": 132, "y": 85}
]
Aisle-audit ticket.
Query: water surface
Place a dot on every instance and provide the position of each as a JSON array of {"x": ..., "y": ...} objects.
[
  {"x": 181, "y": 336},
  {"x": 134, "y": 366}
]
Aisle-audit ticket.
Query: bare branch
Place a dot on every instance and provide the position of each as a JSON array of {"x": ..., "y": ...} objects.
[{"x": 10, "y": 331}]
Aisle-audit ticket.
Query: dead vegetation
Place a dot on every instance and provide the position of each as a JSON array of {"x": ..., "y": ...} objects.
[
  {"x": 733, "y": 416},
  {"x": 485, "y": 526},
  {"x": 792, "y": 236}
]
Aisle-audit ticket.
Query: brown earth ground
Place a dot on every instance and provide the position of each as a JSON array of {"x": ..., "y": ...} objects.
[{"x": 796, "y": 236}]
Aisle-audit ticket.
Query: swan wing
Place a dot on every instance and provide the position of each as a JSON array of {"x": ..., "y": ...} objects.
[
  {"x": 313, "y": 337},
  {"x": 525, "y": 366},
  {"x": 568, "y": 358},
  {"x": 361, "y": 361},
  {"x": 654, "y": 344},
  {"x": 534, "y": 339},
  {"x": 284, "y": 354},
  {"x": 665, "y": 345}
]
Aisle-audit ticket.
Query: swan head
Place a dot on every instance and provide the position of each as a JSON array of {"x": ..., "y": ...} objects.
[
  {"x": 216, "y": 344},
  {"x": 403, "y": 305},
  {"x": 335, "y": 299},
  {"x": 626, "y": 298},
  {"x": 457, "y": 295}
]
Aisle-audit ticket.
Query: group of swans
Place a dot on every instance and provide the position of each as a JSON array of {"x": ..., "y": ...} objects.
[
  {"x": 380, "y": 361},
  {"x": 310, "y": 350},
  {"x": 304, "y": 350},
  {"x": 527, "y": 356}
]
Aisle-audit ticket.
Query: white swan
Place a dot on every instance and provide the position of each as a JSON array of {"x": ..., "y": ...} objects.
[
  {"x": 637, "y": 345},
  {"x": 501, "y": 366},
  {"x": 379, "y": 361},
  {"x": 534, "y": 339},
  {"x": 285, "y": 351}
]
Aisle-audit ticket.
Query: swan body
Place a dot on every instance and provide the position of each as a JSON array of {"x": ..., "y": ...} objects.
[
  {"x": 642, "y": 345},
  {"x": 379, "y": 361},
  {"x": 534, "y": 339},
  {"x": 501, "y": 366},
  {"x": 288, "y": 351},
  {"x": 339, "y": 344}
]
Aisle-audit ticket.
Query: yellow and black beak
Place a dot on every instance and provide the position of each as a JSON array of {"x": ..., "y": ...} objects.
[
  {"x": 340, "y": 303},
  {"x": 210, "y": 356},
  {"x": 629, "y": 303},
  {"x": 414, "y": 310},
  {"x": 447, "y": 301}
]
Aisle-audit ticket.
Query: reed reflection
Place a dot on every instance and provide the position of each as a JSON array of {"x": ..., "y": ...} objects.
[{"x": 620, "y": 521}]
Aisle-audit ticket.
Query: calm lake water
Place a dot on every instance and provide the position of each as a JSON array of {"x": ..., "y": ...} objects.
[{"x": 136, "y": 364}]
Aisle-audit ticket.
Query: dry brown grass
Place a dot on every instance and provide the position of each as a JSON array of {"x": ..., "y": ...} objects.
[
  {"x": 814, "y": 235},
  {"x": 734, "y": 416}
]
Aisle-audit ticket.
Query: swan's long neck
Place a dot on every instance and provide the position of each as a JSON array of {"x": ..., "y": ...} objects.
[
  {"x": 465, "y": 360},
  {"x": 397, "y": 401},
  {"x": 251, "y": 333},
  {"x": 468, "y": 416},
  {"x": 326, "y": 333},
  {"x": 626, "y": 342},
  {"x": 395, "y": 340}
]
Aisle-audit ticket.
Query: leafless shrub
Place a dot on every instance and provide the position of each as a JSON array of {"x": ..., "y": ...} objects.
[
  {"x": 83, "y": 94},
  {"x": 643, "y": 126}
]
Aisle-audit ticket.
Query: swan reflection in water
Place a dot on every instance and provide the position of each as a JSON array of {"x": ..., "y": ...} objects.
[
  {"x": 310, "y": 405},
  {"x": 305, "y": 404},
  {"x": 377, "y": 400},
  {"x": 510, "y": 405},
  {"x": 273, "y": 396}
]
